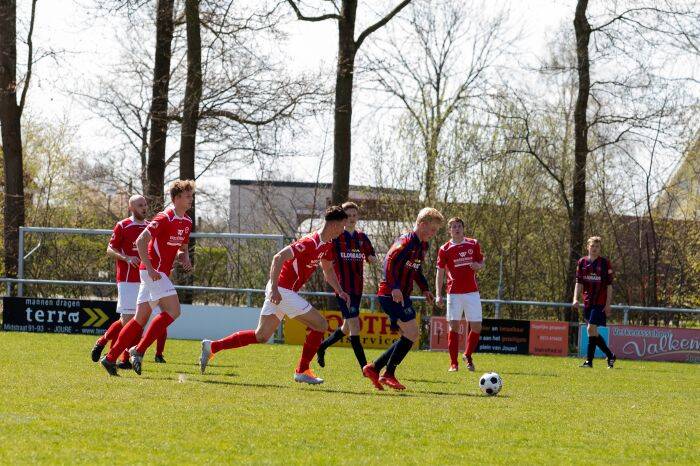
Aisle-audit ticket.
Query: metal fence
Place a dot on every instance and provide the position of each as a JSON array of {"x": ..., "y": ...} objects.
[{"x": 253, "y": 295}]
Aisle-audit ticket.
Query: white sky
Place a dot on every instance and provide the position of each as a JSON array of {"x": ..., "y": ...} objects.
[{"x": 88, "y": 47}]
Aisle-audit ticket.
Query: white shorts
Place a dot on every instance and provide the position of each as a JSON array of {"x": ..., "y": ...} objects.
[
  {"x": 467, "y": 304},
  {"x": 151, "y": 291},
  {"x": 127, "y": 292},
  {"x": 292, "y": 304}
]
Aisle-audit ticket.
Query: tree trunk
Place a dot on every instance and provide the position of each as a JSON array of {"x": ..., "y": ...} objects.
[
  {"x": 578, "y": 212},
  {"x": 343, "y": 103},
  {"x": 10, "y": 115},
  {"x": 159, "y": 106},
  {"x": 190, "y": 118}
]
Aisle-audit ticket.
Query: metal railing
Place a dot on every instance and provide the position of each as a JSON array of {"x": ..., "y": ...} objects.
[
  {"x": 278, "y": 239},
  {"x": 249, "y": 292}
]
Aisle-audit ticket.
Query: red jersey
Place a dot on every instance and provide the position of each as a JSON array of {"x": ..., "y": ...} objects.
[
  {"x": 595, "y": 276},
  {"x": 123, "y": 240},
  {"x": 402, "y": 266},
  {"x": 456, "y": 259},
  {"x": 351, "y": 250},
  {"x": 168, "y": 233},
  {"x": 308, "y": 252}
]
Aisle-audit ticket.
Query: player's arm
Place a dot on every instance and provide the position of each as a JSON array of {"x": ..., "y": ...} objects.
[
  {"x": 439, "y": 279},
  {"x": 142, "y": 248},
  {"x": 422, "y": 283},
  {"x": 370, "y": 254},
  {"x": 280, "y": 258},
  {"x": 608, "y": 301},
  {"x": 114, "y": 254},
  {"x": 332, "y": 279},
  {"x": 478, "y": 264},
  {"x": 396, "y": 254},
  {"x": 183, "y": 256},
  {"x": 577, "y": 287}
]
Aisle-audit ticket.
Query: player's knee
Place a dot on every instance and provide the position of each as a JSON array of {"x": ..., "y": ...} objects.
[
  {"x": 454, "y": 326},
  {"x": 475, "y": 326},
  {"x": 262, "y": 335},
  {"x": 321, "y": 325}
]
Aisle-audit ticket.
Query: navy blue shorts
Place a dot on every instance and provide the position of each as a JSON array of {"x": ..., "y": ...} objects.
[
  {"x": 595, "y": 315},
  {"x": 396, "y": 311},
  {"x": 354, "y": 309}
]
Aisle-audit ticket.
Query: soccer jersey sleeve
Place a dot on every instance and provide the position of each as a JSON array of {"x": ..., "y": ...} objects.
[
  {"x": 610, "y": 275},
  {"x": 478, "y": 256},
  {"x": 115, "y": 242},
  {"x": 367, "y": 247},
  {"x": 579, "y": 272},
  {"x": 442, "y": 258},
  {"x": 157, "y": 225},
  {"x": 302, "y": 247}
]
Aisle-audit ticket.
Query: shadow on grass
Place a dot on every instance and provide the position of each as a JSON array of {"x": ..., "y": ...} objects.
[
  {"x": 531, "y": 374},
  {"x": 441, "y": 382},
  {"x": 196, "y": 364}
]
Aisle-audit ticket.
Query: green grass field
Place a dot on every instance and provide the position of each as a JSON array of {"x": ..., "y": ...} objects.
[{"x": 58, "y": 407}]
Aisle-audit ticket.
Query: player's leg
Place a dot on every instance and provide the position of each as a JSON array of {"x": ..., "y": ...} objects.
[
  {"x": 270, "y": 318},
  {"x": 316, "y": 325},
  {"x": 170, "y": 310},
  {"x": 599, "y": 319},
  {"x": 353, "y": 328},
  {"x": 393, "y": 310},
  {"x": 474, "y": 313},
  {"x": 160, "y": 347},
  {"x": 409, "y": 335},
  {"x": 454, "y": 316},
  {"x": 128, "y": 334},
  {"x": 126, "y": 307},
  {"x": 334, "y": 337}
]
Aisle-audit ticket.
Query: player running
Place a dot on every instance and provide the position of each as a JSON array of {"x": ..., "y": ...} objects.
[
  {"x": 352, "y": 248},
  {"x": 595, "y": 275},
  {"x": 461, "y": 257},
  {"x": 159, "y": 244},
  {"x": 402, "y": 266},
  {"x": 291, "y": 268},
  {"x": 122, "y": 248}
]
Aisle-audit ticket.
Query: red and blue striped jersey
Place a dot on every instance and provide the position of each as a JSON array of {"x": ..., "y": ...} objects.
[
  {"x": 595, "y": 276},
  {"x": 402, "y": 266},
  {"x": 351, "y": 250}
]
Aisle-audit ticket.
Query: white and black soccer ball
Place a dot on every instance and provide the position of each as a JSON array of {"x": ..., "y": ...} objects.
[{"x": 490, "y": 383}]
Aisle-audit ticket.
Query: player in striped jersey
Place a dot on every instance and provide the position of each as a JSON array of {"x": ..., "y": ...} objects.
[
  {"x": 352, "y": 248},
  {"x": 402, "y": 266}
]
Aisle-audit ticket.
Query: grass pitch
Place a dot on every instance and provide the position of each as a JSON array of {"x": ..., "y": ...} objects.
[{"x": 57, "y": 406}]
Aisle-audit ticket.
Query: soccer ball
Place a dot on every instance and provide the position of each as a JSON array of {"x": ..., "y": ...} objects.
[{"x": 490, "y": 383}]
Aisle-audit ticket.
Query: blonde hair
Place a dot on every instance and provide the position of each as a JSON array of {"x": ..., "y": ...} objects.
[
  {"x": 594, "y": 239},
  {"x": 180, "y": 186},
  {"x": 350, "y": 205},
  {"x": 429, "y": 214}
]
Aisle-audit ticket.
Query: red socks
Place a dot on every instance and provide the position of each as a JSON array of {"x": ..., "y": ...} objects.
[
  {"x": 472, "y": 342},
  {"x": 134, "y": 342},
  {"x": 160, "y": 343},
  {"x": 156, "y": 329},
  {"x": 236, "y": 340},
  {"x": 111, "y": 334},
  {"x": 130, "y": 332},
  {"x": 453, "y": 346},
  {"x": 313, "y": 341}
]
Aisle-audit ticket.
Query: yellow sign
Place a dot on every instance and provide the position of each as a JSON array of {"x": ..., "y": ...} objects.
[
  {"x": 96, "y": 317},
  {"x": 374, "y": 329}
]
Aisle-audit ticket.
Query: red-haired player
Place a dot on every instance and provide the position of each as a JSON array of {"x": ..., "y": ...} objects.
[{"x": 164, "y": 240}]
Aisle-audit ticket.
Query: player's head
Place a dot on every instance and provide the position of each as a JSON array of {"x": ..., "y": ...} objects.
[
  {"x": 456, "y": 227},
  {"x": 428, "y": 223},
  {"x": 335, "y": 220},
  {"x": 138, "y": 206},
  {"x": 182, "y": 194},
  {"x": 594, "y": 245},
  {"x": 353, "y": 212}
]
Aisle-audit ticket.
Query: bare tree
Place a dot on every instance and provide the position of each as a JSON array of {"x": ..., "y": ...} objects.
[
  {"x": 345, "y": 14},
  {"x": 433, "y": 64},
  {"x": 10, "y": 121}
]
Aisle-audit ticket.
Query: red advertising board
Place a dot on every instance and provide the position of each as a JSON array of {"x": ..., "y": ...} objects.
[
  {"x": 549, "y": 338},
  {"x": 655, "y": 343},
  {"x": 439, "y": 331}
]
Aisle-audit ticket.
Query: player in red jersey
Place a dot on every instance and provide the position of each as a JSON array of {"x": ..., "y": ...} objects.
[
  {"x": 352, "y": 248},
  {"x": 291, "y": 268},
  {"x": 122, "y": 248},
  {"x": 159, "y": 244},
  {"x": 402, "y": 266},
  {"x": 461, "y": 257},
  {"x": 594, "y": 275}
]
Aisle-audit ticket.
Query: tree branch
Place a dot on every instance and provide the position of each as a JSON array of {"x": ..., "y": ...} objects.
[
  {"x": 379, "y": 23},
  {"x": 301, "y": 17},
  {"x": 30, "y": 53}
]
